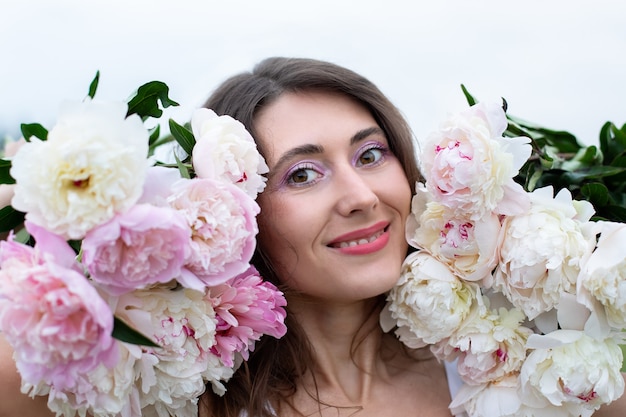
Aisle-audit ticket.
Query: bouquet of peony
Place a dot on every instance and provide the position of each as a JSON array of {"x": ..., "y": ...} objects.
[
  {"x": 525, "y": 290},
  {"x": 129, "y": 289}
]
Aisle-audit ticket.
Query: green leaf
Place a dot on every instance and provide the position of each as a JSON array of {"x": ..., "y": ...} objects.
[
  {"x": 125, "y": 333},
  {"x": 592, "y": 173},
  {"x": 614, "y": 213},
  {"x": 620, "y": 135},
  {"x": 619, "y": 161},
  {"x": 596, "y": 193},
  {"x": 93, "y": 87},
  {"x": 514, "y": 130},
  {"x": 618, "y": 180},
  {"x": 562, "y": 140},
  {"x": 24, "y": 237},
  {"x": 145, "y": 103},
  {"x": 585, "y": 157},
  {"x": 606, "y": 141},
  {"x": 5, "y": 174},
  {"x": 532, "y": 180},
  {"x": 183, "y": 136},
  {"x": 470, "y": 99},
  {"x": 10, "y": 218},
  {"x": 184, "y": 172},
  {"x": 75, "y": 244},
  {"x": 154, "y": 135},
  {"x": 33, "y": 129},
  {"x": 612, "y": 141}
]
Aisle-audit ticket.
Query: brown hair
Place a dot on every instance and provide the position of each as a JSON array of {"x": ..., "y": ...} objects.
[{"x": 272, "y": 372}]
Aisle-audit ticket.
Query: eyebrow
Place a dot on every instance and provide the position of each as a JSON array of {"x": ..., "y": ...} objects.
[{"x": 311, "y": 149}]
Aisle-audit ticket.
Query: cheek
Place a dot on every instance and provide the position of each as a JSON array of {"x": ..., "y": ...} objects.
[
  {"x": 278, "y": 233},
  {"x": 399, "y": 193}
]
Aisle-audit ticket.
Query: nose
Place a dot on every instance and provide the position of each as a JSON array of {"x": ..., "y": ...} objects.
[{"x": 355, "y": 192}]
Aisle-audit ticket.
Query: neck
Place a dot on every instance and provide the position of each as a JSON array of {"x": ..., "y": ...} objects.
[{"x": 348, "y": 346}]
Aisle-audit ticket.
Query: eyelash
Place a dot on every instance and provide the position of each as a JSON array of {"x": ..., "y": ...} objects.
[
  {"x": 372, "y": 146},
  {"x": 302, "y": 166},
  {"x": 309, "y": 166}
]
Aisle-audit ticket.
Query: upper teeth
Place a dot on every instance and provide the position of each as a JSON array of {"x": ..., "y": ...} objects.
[{"x": 351, "y": 243}]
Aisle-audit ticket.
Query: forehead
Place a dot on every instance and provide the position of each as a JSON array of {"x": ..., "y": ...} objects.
[{"x": 311, "y": 117}]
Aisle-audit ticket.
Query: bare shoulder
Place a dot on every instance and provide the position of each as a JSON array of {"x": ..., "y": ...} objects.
[{"x": 12, "y": 402}]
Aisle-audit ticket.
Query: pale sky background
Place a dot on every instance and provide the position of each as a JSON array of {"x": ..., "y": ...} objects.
[{"x": 559, "y": 63}]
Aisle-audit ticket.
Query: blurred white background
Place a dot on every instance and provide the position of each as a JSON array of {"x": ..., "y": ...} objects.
[{"x": 559, "y": 63}]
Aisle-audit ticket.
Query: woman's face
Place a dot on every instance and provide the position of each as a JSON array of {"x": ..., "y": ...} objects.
[{"x": 333, "y": 213}]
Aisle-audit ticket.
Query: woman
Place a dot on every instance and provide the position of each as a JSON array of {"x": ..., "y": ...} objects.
[
  {"x": 342, "y": 165},
  {"x": 342, "y": 169}
]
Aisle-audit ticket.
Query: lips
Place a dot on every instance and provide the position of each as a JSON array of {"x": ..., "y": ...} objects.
[
  {"x": 353, "y": 243},
  {"x": 360, "y": 237}
]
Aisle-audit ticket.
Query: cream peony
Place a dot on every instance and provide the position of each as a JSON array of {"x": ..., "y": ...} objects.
[
  {"x": 541, "y": 251},
  {"x": 469, "y": 166},
  {"x": 91, "y": 167},
  {"x": 569, "y": 369},
  {"x": 183, "y": 325},
  {"x": 469, "y": 247},
  {"x": 428, "y": 303},
  {"x": 225, "y": 151},
  {"x": 490, "y": 346}
]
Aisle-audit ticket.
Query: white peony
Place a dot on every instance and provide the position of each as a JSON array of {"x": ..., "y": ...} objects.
[
  {"x": 428, "y": 303},
  {"x": 500, "y": 399},
  {"x": 541, "y": 251},
  {"x": 604, "y": 273},
  {"x": 569, "y": 369},
  {"x": 469, "y": 166},
  {"x": 217, "y": 373},
  {"x": 92, "y": 166},
  {"x": 225, "y": 151}
]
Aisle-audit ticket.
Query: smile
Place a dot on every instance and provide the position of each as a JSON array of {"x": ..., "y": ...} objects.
[{"x": 363, "y": 241}]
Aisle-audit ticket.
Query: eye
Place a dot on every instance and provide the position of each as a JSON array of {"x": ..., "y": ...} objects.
[
  {"x": 371, "y": 155},
  {"x": 303, "y": 175}
]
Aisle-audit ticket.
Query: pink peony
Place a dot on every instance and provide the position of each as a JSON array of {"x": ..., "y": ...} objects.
[
  {"x": 57, "y": 323},
  {"x": 144, "y": 246},
  {"x": 223, "y": 222},
  {"x": 246, "y": 308},
  {"x": 469, "y": 166}
]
